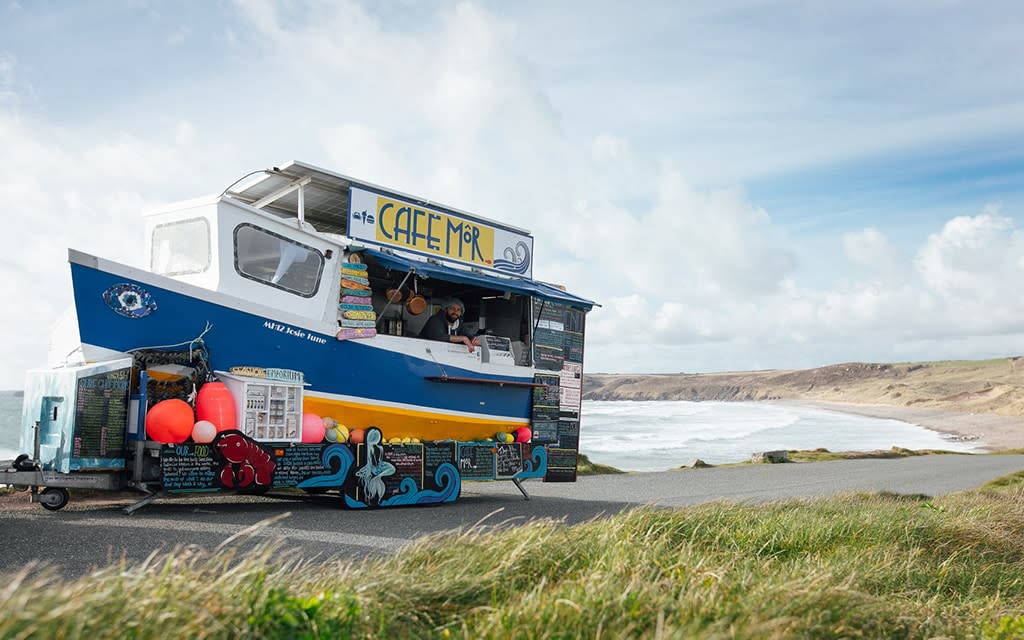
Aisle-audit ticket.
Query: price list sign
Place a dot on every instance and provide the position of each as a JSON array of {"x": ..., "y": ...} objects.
[
  {"x": 558, "y": 347},
  {"x": 297, "y": 463},
  {"x": 189, "y": 467},
  {"x": 508, "y": 459},
  {"x": 101, "y": 416},
  {"x": 544, "y": 417},
  {"x": 477, "y": 461},
  {"x": 561, "y": 465},
  {"x": 436, "y": 454},
  {"x": 408, "y": 462}
]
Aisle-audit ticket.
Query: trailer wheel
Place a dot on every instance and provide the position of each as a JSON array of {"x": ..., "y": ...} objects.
[{"x": 54, "y": 498}]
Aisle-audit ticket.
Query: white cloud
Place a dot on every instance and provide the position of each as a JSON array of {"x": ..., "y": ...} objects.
[
  {"x": 871, "y": 250},
  {"x": 595, "y": 143},
  {"x": 62, "y": 191},
  {"x": 973, "y": 257}
]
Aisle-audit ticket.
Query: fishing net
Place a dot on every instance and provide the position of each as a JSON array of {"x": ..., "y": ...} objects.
[{"x": 183, "y": 387}]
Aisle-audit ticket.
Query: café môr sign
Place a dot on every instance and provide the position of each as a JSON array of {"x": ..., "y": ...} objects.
[{"x": 389, "y": 221}]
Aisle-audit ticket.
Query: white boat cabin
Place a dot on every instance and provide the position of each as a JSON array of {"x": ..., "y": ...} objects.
[{"x": 279, "y": 241}]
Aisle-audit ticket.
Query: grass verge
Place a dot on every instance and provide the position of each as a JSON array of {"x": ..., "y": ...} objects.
[{"x": 867, "y": 566}]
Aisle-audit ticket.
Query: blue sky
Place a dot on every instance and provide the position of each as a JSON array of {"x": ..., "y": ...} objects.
[{"x": 741, "y": 185}]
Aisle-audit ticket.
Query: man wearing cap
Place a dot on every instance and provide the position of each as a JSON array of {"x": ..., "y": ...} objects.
[{"x": 446, "y": 325}]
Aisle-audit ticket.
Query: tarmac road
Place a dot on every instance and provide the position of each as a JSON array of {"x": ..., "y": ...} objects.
[{"x": 88, "y": 534}]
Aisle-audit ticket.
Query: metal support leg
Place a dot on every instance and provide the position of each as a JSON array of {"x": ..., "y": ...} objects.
[
  {"x": 132, "y": 508},
  {"x": 519, "y": 485}
]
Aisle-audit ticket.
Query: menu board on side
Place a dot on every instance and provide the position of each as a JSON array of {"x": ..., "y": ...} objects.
[
  {"x": 569, "y": 434},
  {"x": 561, "y": 465},
  {"x": 189, "y": 467},
  {"x": 101, "y": 419},
  {"x": 509, "y": 459},
  {"x": 380, "y": 475},
  {"x": 477, "y": 461},
  {"x": 544, "y": 417},
  {"x": 297, "y": 463},
  {"x": 408, "y": 462},
  {"x": 547, "y": 349},
  {"x": 436, "y": 454}
]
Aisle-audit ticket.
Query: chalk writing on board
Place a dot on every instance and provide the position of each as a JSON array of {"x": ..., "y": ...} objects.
[
  {"x": 408, "y": 462},
  {"x": 101, "y": 415},
  {"x": 572, "y": 347},
  {"x": 546, "y": 396},
  {"x": 509, "y": 459},
  {"x": 189, "y": 467},
  {"x": 298, "y": 463},
  {"x": 476, "y": 461},
  {"x": 561, "y": 465},
  {"x": 545, "y": 430},
  {"x": 434, "y": 455}
]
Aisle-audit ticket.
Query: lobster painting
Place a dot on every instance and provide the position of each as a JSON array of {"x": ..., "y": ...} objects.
[{"x": 246, "y": 463}]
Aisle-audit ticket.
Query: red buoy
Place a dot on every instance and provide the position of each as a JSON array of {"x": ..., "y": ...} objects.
[
  {"x": 215, "y": 403},
  {"x": 170, "y": 421}
]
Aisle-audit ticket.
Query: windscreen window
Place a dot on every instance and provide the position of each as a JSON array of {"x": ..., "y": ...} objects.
[
  {"x": 277, "y": 261},
  {"x": 181, "y": 247}
]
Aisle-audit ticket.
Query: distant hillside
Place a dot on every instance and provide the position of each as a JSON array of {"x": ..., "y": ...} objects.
[{"x": 981, "y": 386}]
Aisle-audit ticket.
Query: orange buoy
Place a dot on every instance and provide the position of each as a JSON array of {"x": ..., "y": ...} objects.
[
  {"x": 170, "y": 421},
  {"x": 216, "y": 404}
]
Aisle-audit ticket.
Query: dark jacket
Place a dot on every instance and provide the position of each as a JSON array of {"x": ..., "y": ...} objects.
[{"x": 436, "y": 328}]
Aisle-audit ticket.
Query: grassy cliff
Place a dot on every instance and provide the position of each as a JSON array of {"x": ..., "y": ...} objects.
[{"x": 975, "y": 386}]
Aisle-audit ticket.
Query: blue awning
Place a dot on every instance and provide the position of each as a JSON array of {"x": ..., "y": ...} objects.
[{"x": 516, "y": 285}]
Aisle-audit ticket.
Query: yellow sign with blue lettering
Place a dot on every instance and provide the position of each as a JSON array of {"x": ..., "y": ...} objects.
[
  {"x": 401, "y": 224},
  {"x": 418, "y": 228}
]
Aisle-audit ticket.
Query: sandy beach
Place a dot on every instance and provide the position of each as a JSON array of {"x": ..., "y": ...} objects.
[{"x": 990, "y": 431}]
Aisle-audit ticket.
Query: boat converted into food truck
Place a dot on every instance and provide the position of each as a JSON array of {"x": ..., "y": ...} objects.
[{"x": 274, "y": 342}]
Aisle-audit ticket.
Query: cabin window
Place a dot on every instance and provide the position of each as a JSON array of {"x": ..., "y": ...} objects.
[
  {"x": 181, "y": 247},
  {"x": 277, "y": 261}
]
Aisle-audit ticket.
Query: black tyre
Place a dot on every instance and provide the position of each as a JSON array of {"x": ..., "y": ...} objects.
[{"x": 54, "y": 498}]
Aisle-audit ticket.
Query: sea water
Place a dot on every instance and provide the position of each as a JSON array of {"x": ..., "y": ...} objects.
[
  {"x": 10, "y": 425},
  {"x": 659, "y": 435}
]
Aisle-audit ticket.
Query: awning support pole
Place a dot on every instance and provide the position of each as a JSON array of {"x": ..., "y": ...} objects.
[{"x": 388, "y": 305}]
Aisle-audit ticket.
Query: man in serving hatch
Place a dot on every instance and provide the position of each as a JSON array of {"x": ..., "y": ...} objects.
[{"x": 446, "y": 325}]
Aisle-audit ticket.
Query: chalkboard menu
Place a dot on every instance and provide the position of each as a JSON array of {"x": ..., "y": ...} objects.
[
  {"x": 547, "y": 348},
  {"x": 561, "y": 465},
  {"x": 390, "y": 465},
  {"x": 408, "y": 462},
  {"x": 434, "y": 455},
  {"x": 569, "y": 433},
  {"x": 558, "y": 332},
  {"x": 508, "y": 459},
  {"x": 477, "y": 461},
  {"x": 297, "y": 463},
  {"x": 558, "y": 347},
  {"x": 101, "y": 415},
  {"x": 544, "y": 414},
  {"x": 189, "y": 467}
]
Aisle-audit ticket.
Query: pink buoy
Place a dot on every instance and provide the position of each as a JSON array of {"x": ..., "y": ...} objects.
[
  {"x": 214, "y": 403},
  {"x": 312, "y": 428}
]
